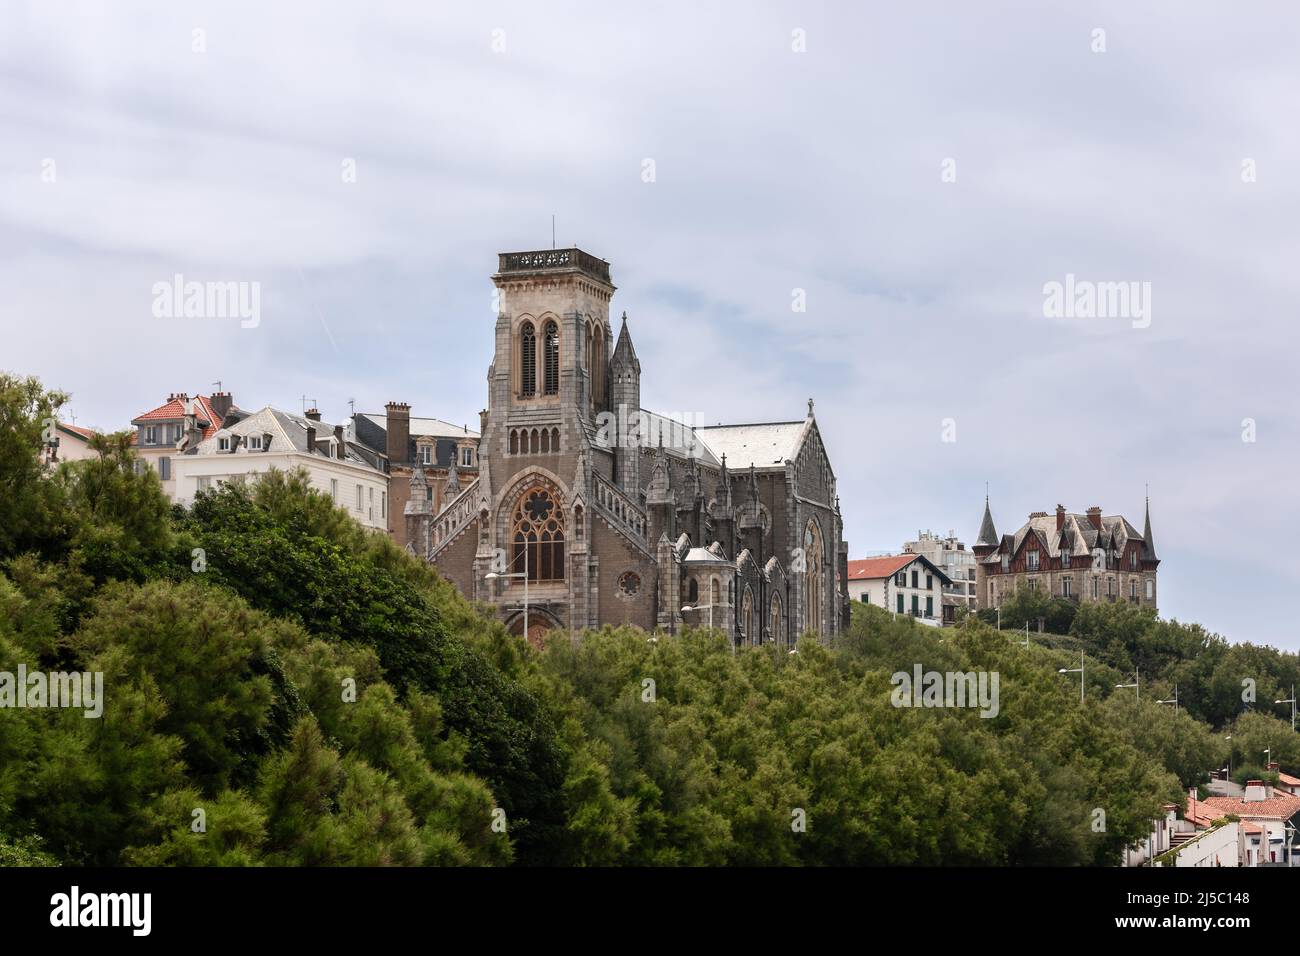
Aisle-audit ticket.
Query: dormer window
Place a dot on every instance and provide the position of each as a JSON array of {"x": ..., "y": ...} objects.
[
  {"x": 426, "y": 454},
  {"x": 1031, "y": 559},
  {"x": 254, "y": 442},
  {"x": 467, "y": 457},
  {"x": 1133, "y": 559},
  {"x": 223, "y": 444},
  {"x": 151, "y": 434},
  {"x": 1065, "y": 559}
]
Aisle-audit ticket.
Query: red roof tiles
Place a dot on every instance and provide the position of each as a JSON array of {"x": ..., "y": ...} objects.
[
  {"x": 175, "y": 408},
  {"x": 865, "y": 569}
]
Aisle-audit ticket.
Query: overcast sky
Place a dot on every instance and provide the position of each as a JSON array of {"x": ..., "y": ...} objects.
[{"x": 133, "y": 148}]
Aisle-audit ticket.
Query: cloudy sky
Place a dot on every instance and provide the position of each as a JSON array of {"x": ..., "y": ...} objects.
[{"x": 921, "y": 175}]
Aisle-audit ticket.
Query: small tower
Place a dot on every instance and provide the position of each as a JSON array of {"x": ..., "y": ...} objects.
[
  {"x": 419, "y": 513},
  {"x": 723, "y": 511},
  {"x": 625, "y": 399}
]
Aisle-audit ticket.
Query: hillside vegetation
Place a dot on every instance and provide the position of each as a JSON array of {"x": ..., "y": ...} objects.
[{"x": 314, "y": 696}]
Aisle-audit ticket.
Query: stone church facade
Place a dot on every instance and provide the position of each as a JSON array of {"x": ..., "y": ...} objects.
[{"x": 619, "y": 515}]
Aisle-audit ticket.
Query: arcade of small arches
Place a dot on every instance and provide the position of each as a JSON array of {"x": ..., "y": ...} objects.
[{"x": 534, "y": 441}]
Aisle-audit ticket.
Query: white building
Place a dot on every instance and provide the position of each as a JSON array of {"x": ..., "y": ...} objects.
[
  {"x": 335, "y": 463},
  {"x": 903, "y": 583},
  {"x": 952, "y": 556}
]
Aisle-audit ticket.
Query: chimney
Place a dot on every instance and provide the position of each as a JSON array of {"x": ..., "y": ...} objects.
[
  {"x": 1273, "y": 766},
  {"x": 340, "y": 445},
  {"x": 1094, "y": 516},
  {"x": 311, "y": 439},
  {"x": 221, "y": 403},
  {"x": 266, "y": 441},
  {"x": 1060, "y": 517},
  {"x": 1255, "y": 791},
  {"x": 398, "y": 426},
  {"x": 313, "y": 413}
]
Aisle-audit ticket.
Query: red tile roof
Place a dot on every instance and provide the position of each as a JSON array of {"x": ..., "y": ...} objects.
[
  {"x": 1287, "y": 779},
  {"x": 175, "y": 408},
  {"x": 89, "y": 433},
  {"x": 867, "y": 569},
  {"x": 1280, "y": 806}
]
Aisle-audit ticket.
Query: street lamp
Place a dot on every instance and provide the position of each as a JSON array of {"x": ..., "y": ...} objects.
[
  {"x": 687, "y": 608},
  {"x": 1290, "y": 700},
  {"x": 1229, "y": 737},
  {"x": 1137, "y": 684},
  {"x": 1174, "y": 701},
  {"x": 1076, "y": 670},
  {"x": 494, "y": 575}
]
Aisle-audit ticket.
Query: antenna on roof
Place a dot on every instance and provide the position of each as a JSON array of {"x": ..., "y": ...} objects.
[
  {"x": 218, "y": 384},
  {"x": 552, "y": 230},
  {"x": 352, "y": 405}
]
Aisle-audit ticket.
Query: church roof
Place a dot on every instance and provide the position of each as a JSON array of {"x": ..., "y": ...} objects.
[{"x": 762, "y": 445}]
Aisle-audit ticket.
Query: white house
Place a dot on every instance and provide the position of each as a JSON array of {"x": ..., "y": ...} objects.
[
  {"x": 336, "y": 464},
  {"x": 903, "y": 583}
]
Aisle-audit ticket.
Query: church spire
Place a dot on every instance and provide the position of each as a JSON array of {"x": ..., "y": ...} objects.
[
  {"x": 1149, "y": 542},
  {"x": 452, "y": 488},
  {"x": 624, "y": 353},
  {"x": 988, "y": 533}
]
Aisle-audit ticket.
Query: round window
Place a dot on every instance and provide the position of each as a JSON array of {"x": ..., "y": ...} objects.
[{"x": 629, "y": 583}]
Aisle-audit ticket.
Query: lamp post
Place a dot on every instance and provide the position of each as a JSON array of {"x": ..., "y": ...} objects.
[
  {"x": 687, "y": 608},
  {"x": 494, "y": 575},
  {"x": 1137, "y": 684},
  {"x": 1229, "y": 737},
  {"x": 1174, "y": 701},
  {"x": 1290, "y": 700},
  {"x": 1076, "y": 670}
]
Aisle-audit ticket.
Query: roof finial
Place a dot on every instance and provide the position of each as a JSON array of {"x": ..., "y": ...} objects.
[
  {"x": 810, "y": 407},
  {"x": 625, "y": 316}
]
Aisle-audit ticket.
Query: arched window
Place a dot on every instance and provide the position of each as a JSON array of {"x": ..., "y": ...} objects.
[
  {"x": 514, "y": 441},
  {"x": 814, "y": 558},
  {"x": 538, "y": 538},
  {"x": 747, "y": 617},
  {"x": 778, "y": 634},
  {"x": 546, "y": 441},
  {"x": 527, "y": 360},
  {"x": 692, "y": 592},
  {"x": 551, "y": 360}
]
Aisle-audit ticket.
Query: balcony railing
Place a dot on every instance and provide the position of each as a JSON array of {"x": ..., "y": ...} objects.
[{"x": 557, "y": 260}]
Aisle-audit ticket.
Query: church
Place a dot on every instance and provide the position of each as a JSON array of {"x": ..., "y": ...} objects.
[{"x": 587, "y": 510}]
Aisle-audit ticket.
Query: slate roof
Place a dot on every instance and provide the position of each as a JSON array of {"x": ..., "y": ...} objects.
[
  {"x": 424, "y": 427},
  {"x": 763, "y": 445},
  {"x": 288, "y": 434}
]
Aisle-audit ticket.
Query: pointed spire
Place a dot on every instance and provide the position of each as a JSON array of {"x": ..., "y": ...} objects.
[
  {"x": 624, "y": 352},
  {"x": 988, "y": 533},
  {"x": 1148, "y": 542}
]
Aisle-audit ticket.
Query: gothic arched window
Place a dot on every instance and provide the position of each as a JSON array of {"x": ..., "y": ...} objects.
[
  {"x": 692, "y": 591},
  {"x": 527, "y": 360},
  {"x": 551, "y": 359},
  {"x": 777, "y": 633},
  {"x": 538, "y": 537},
  {"x": 814, "y": 558},
  {"x": 747, "y": 616}
]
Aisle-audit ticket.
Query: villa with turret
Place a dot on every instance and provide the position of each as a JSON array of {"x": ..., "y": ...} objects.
[{"x": 1079, "y": 557}]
